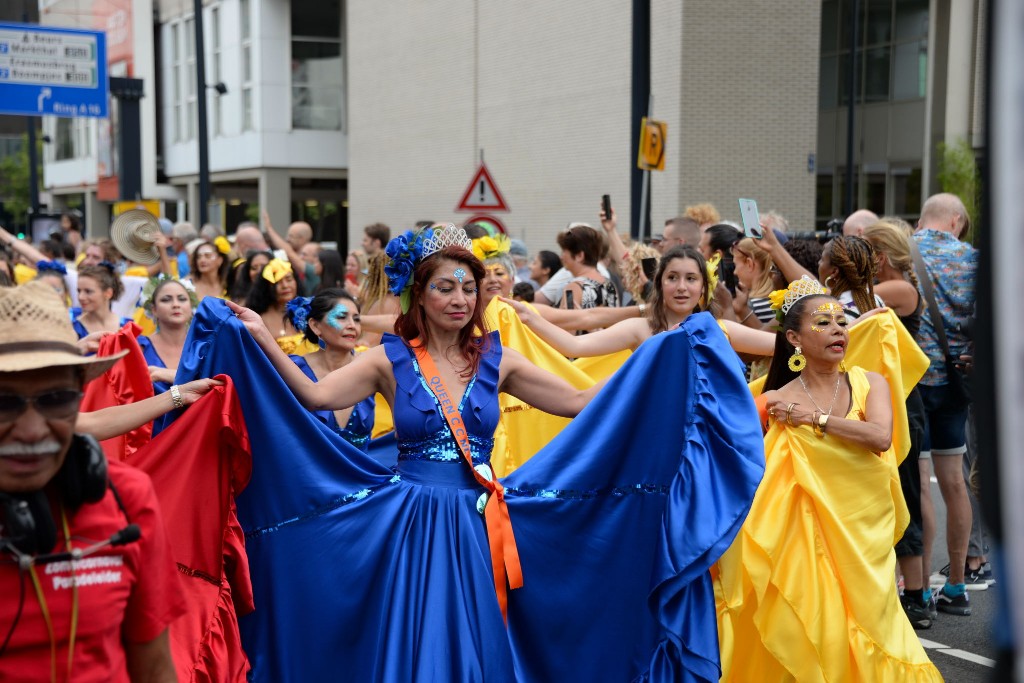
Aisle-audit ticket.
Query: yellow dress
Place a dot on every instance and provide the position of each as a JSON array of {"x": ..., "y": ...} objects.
[
  {"x": 296, "y": 344},
  {"x": 807, "y": 591}
]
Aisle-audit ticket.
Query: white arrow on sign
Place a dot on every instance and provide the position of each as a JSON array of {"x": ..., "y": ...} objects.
[{"x": 43, "y": 94}]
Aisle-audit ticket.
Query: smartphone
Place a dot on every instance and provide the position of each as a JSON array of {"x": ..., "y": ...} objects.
[
  {"x": 606, "y": 206},
  {"x": 649, "y": 265},
  {"x": 750, "y": 218}
]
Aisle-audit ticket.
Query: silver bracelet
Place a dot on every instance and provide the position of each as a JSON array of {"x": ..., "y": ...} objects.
[{"x": 176, "y": 397}]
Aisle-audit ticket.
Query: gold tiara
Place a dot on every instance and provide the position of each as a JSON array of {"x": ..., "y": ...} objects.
[
  {"x": 783, "y": 299},
  {"x": 448, "y": 236}
]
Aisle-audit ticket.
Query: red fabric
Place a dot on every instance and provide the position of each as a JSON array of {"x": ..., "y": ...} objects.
[
  {"x": 130, "y": 592},
  {"x": 198, "y": 464},
  {"x": 126, "y": 382}
]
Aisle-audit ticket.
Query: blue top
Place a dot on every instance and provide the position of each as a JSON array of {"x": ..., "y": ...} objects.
[
  {"x": 153, "y": 358},
  {"x": 80, "y": 328},
  {"x": 420, "y": 426},
  {"x": 359, "y": 427},
  {"x": 617, "y": 521}
]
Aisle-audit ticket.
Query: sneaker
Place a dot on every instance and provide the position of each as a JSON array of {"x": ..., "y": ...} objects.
[
  {"x": 944, "y": 571},
  {"x": 917, "y": 613},
  {"x": 929, "y": 601},
  {"x": 974, "y": 580},
  {"x": 952, "y": 599},
  {"x": 986, "y": 573}
]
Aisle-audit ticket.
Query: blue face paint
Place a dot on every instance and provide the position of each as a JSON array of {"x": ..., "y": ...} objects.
[
  {"x": 460, "y": 275},
  {"x": 336, "y": 316}
]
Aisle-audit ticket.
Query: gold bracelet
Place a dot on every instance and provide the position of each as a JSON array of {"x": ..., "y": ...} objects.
[
  {"x": 789, "y": 414},
  {"x": 176, "y": 397},
  {"x": 814, "y": 424},
  {"x": 822, "y": 422}
]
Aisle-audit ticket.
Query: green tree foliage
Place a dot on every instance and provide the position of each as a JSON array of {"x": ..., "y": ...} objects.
[
  {"x": 14, "y": 186},
  {"x": 958, "y": 174}
]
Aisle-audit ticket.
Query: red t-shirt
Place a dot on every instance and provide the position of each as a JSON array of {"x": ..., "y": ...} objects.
[{"x": 125, "y": 593}]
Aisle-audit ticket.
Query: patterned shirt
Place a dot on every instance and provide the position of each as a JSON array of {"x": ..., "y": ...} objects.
[{"x": 952, "y": 267}]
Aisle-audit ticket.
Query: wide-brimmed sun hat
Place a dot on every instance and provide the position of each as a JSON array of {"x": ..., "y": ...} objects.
[
  {"x": 36, "y": 332},
  {"x": 134, "y": 233}
]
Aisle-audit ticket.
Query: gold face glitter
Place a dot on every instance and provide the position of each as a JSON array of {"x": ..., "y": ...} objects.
[{"x": 826, "y": 313}]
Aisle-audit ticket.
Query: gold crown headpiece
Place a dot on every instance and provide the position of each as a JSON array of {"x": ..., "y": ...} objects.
[
  {"x": 783, "y": 299},
  {"x": 447, "y": 236}
]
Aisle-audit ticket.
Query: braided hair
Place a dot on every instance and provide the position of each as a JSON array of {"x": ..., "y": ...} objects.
[
  {"x": 854, "y": 261},
  {"x": 890, "y": 237}
]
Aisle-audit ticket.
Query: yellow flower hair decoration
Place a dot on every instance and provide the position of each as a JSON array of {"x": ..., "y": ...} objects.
[
  {"x": 783, "y": 299},
  {"x": 488, "y": 247},
  {"x": 712, "y": 266},
  {"x": 275, "y": 270},
  {"x": 222, "y": 244}
]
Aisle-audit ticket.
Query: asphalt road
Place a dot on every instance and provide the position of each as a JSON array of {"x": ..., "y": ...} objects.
[{"x": 961, "y": 647}]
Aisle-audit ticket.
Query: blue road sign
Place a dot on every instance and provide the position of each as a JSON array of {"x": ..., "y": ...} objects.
[{"x": 47, "y": 71}]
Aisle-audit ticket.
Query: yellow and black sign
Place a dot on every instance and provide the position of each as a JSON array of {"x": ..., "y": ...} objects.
[
  {"x": 652, "y": 145},
  {"x": 151, "y": 205}
]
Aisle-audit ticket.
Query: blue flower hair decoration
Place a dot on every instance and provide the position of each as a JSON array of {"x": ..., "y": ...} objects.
[
  {"x": 51, "y": 267},
  {"x": 404, "y": 252},
  {"x": 298, "y": 310}
]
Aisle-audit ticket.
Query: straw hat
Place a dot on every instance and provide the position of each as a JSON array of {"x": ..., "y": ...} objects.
[
  {"x": 35, "y": 332},
  {"x": 134, "y": 233}
]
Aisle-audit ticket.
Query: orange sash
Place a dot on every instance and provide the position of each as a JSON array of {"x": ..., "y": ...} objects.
[{"x": 504, "y": 554}]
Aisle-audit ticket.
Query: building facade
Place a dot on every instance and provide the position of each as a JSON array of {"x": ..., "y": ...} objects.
[{"x": 349, "y": 112}]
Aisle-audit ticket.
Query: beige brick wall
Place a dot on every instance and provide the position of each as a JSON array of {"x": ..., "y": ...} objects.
[
  {"x": 750, "y": 93},
  {"x": 551, "y": 107}
]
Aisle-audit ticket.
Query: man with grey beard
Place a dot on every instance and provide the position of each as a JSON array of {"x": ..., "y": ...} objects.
[{"x": 88, "y": 585}]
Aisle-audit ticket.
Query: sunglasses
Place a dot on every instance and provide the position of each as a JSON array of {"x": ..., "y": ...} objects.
[{"x": 59, "y": 403}]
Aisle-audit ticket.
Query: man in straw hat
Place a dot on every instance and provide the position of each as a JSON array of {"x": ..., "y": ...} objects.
[{"x": 88, "y": 587}]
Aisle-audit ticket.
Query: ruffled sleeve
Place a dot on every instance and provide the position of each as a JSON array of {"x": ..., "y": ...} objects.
[{"x": 638, "y": 497}]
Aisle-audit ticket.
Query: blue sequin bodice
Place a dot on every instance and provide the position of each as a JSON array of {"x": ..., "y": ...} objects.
[
  {"x": 359, "y": 427},
  {"x": 422, "y": 431}
]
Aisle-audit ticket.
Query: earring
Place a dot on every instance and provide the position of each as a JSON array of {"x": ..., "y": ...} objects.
[
  {"x": 797, "y": 362},
  {"x": 842, "y": 366},
  {"x": 321, "y": 343},
  {"x": 826, "y": 283}
]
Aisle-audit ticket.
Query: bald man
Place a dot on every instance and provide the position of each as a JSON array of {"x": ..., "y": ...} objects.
[
  {"x": 855, "y": 223},
  {"x": 299, "y": 235},
  {"x": 951, "y": 267},
  {"x": 249, "y": 238}
]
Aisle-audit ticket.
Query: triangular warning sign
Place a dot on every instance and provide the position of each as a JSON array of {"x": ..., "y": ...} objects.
[{"x": 482, "y": 193}]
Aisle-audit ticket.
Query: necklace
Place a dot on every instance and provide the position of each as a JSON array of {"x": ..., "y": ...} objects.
[{"x": 834, "y": 395}]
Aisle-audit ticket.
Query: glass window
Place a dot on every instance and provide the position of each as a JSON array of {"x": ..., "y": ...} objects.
[
  {"x": 910, "y": 71},
  {"x": 829, "y": 18},
  {"x": 317, "y": 67},
  {"x": 878, "y": 27},
  {"x": 874, "y": 187},
  {"x": 906, "y": 191},
  {"x": 823, "y": 196},
  {"x": 247, "y": 117},
  {"x": 911, "y": 19},
  {"x": 64, "y": 143},
  {"x": 246, "y": 26},
  {"x": 316, "y": 18},
  {"x": 828, "y": 83},
  {"x": 875, "y": 87}
]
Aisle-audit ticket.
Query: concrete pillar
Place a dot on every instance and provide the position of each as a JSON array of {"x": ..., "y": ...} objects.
[
  {"x": 275, "y": 195},
  {"x": 97, "y": 216}
]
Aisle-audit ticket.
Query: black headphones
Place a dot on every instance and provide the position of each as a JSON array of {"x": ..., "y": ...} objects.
[{"x": 27, "y": 523}]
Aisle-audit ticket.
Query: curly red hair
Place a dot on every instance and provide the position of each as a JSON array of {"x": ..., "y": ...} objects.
[{"x": 473, "y": 339}]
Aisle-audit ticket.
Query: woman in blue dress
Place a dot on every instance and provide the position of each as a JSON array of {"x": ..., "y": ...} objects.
[
  {"x": 98, "y": 287},
  {"x": 331, "y": 321},
  {"x": 590, "y": 562},
  {"x": 170, "y": 304}
]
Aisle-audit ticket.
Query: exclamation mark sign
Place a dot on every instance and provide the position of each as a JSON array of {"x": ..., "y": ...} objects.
[{"x": 482, "y": 188}]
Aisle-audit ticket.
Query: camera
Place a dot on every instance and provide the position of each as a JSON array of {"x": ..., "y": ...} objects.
[{"x": 833, "y": 229}]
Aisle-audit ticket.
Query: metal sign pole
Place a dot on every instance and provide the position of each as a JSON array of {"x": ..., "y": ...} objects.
[{"x": 646, "y": 185}]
